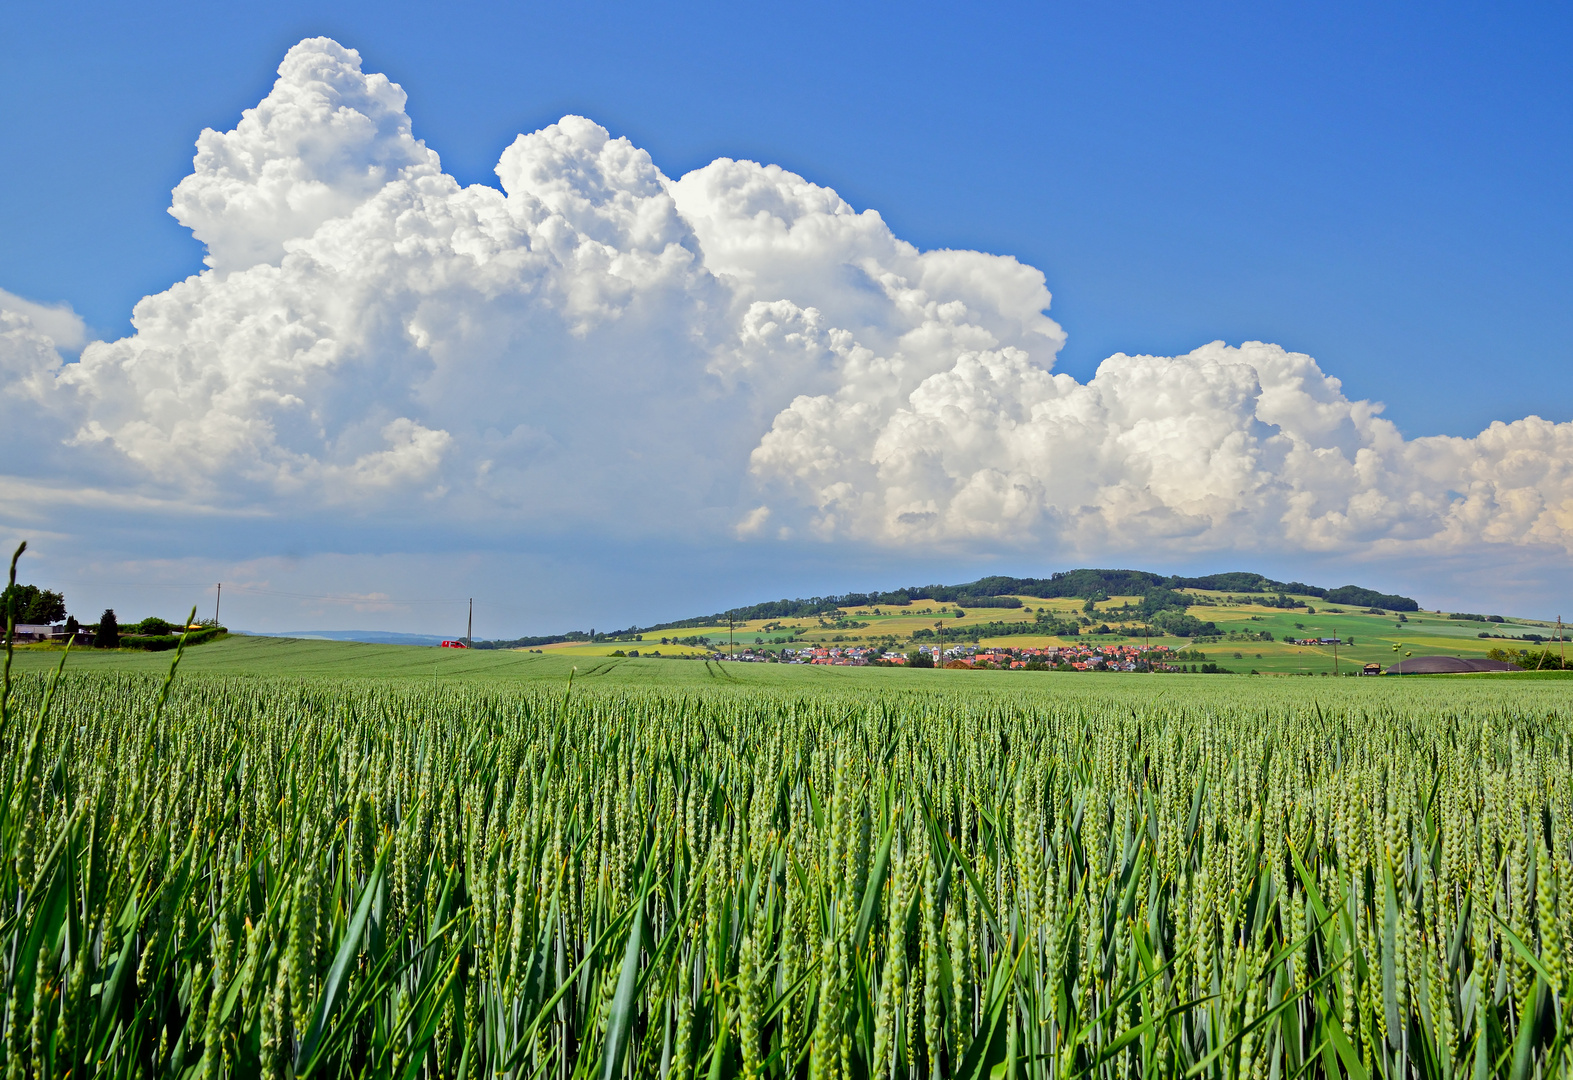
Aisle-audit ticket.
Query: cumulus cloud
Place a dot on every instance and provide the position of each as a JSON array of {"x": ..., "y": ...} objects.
[
  {"x": 369, "y": 326},
  {"x": 63, "y": 327},
  {"x": 33, "y": 412},
  {"x": 739, "y": 349},
  {"x": 1220, "y": 448},
  {"x": 326, "y": 139}
]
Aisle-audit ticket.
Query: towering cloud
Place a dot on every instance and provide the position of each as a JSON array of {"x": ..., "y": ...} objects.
[{"x": 594, "y": 344}]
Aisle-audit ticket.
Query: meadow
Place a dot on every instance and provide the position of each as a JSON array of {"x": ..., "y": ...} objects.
[
  {"x": 593, "y": 665},
  {"x": 891, "y": 874}
]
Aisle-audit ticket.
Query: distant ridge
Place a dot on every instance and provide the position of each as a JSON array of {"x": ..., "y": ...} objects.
[
  {"x": 999, "y": 591},
  {"x": 367, "y": 637}
]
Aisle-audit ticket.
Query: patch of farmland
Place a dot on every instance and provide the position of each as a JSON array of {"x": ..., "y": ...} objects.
[{"x": 986, "y": 877}]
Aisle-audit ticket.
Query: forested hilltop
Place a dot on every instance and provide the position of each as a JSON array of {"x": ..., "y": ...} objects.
[{"x": 1005, "y": 592}]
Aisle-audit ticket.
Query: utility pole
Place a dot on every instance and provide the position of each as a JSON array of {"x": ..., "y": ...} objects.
[
  {"x": 469, "y": 629},
  {"x": 1335, "y": 656},
  {"x": 216, "y": 601},
  {"x": 1563, "y": 642},
  {"x": 940, "y": 626},
  {"x": 730, "y": 650}
]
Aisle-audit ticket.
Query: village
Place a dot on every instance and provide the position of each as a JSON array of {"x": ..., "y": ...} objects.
[{"x": 1058, "y": 657}]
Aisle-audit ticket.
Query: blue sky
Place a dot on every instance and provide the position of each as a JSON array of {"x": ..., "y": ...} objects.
[{"x": 1386, "y": 190}]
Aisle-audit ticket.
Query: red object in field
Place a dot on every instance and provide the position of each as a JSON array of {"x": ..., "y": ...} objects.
[{"x": 454, "y": 645}]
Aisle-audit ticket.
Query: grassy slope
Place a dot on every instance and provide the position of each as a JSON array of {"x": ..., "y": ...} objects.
[
  {"x": 311, "y": 659},
  {"x": 295, "y": 657}
]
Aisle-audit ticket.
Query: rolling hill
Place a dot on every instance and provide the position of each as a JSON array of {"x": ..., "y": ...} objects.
[{"x": 1241, "y": 620}]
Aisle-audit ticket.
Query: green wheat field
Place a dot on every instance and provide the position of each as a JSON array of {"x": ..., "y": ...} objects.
[{"x": 488, "y": 872}]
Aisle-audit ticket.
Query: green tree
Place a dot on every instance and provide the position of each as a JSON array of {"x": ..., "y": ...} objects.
[
  {"x": 14, "y": 601},
  {"x": 1182, "y": 624},
  {"x": 30, "y": 604},
  {"x": 108, "y": 636},
  {"x": 1155, "y": 600}
]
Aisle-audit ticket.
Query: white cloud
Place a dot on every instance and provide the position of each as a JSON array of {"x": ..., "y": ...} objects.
[
  {"x": 596, "y": 345},
  {"x": 27, "y": 358},
  {"x": 33, "y": 412},
  {"x": 360, "y": 295},
  {"x": 753, "y": 523},
  {"x": 1222, "y": 448},
  {"x": 326, "y": 139},
  {"x": 57, "y": 322}
]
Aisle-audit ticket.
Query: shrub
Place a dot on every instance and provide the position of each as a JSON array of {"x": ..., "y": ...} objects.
[
  {"x": 149, "y": 642},
  {"x": 1545, "y": 660},
  {"x": 161, "y": 642}
]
